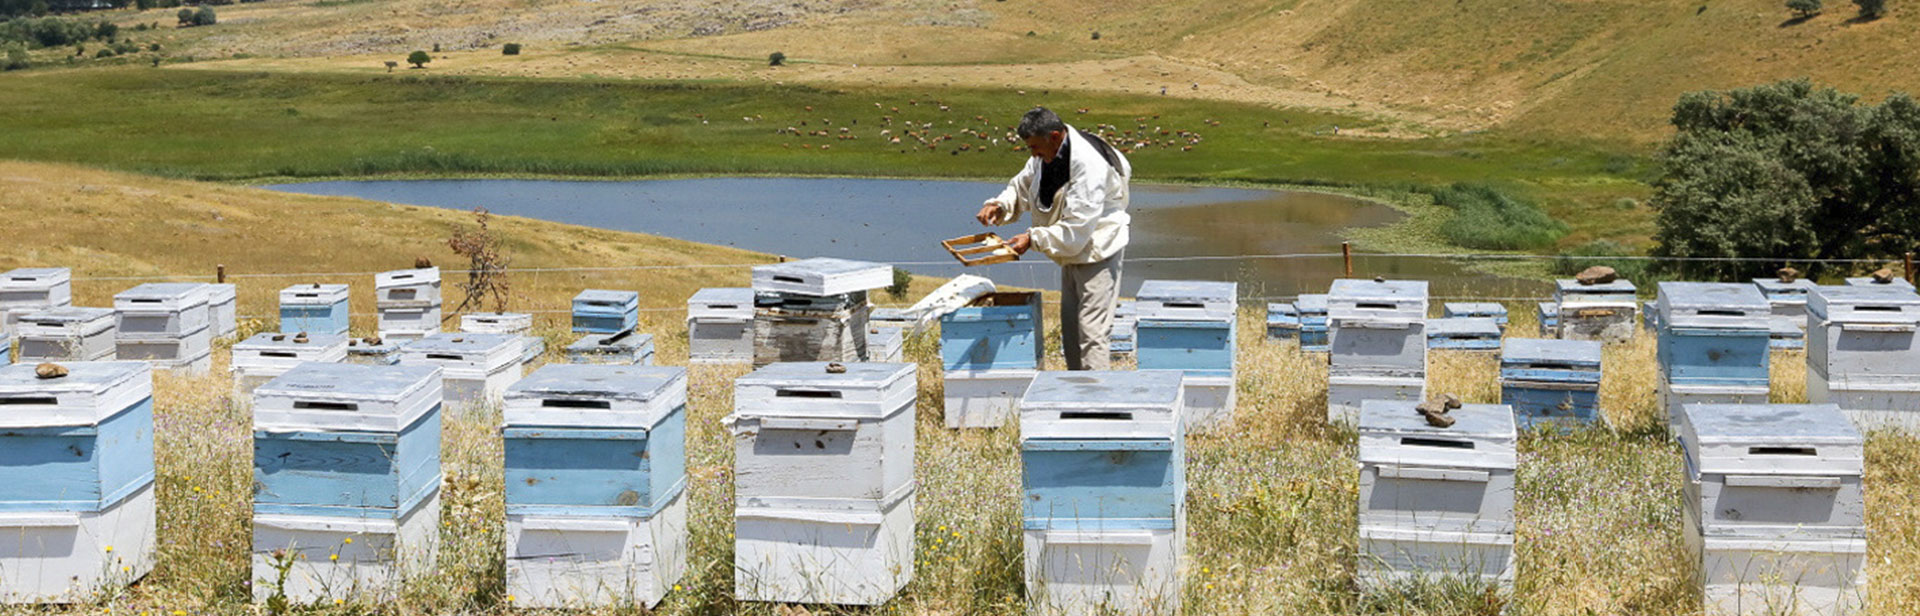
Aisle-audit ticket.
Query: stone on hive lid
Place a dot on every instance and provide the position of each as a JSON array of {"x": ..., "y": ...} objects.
[{"x": 1598, "y": 274}]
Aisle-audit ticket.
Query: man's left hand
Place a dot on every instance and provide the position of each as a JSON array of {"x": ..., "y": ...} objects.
[{"x": 1020, "y": 243}]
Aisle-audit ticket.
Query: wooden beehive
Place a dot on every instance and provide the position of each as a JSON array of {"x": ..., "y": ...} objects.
[
  {"x": 1714, "y": 334},
  {"x": 622, "y": 349},
  {"x": 1126, "y": 320},
  {"x": 1604, "y": 312},
  {"x": 314, "y": 309},
  {"x": 1436, "y": 502},
  {"x": 164, "y": 310},
  {"x": 1464, "y": 334},
  {"x": 408, "y": 288},
  {"x": 359, "y": 352},
  {"x": 1377, "y": 327},
  {"x": 994, "y": 331},
  {"x": 1788, "y": 299},
  {"x": 600, "y": 311},
  {"x": 1484, "y": 310},
  {"x": 31, "y": 289},
  {"x": 409, "y": 323},
  {"x": 720, "y": 326},
  {"x": 1554, "y": 382},
  {"x": 67, "y": 334},
  {"x": 1313, "y": 322},
  {"x": 1283, "y": 322},
  {"x": 477, "y": 368},
  {"x": 264, "y": 356},
  {"x": 223, "y": 310},
  {"x": 821, "y": 277}
]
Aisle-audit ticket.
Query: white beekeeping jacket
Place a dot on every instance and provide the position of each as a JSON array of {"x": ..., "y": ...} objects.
[{"x": 1088, "y": 220}]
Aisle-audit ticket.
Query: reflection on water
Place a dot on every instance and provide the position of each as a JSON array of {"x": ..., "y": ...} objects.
[{"x": 903, "y": 221}]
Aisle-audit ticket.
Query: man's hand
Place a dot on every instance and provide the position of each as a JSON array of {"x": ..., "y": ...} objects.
[
  {"x": 988, "y": 213},
  {"x": 1020, "y": 243}
]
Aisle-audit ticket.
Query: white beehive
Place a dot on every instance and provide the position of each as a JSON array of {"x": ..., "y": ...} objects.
[
  {"x": 886, "y": 344},
  {"x": 477, "y": 367},
  {"x": 720, "y": 326},
  {"x": 66, "y": 334},
  {"x": 31, "y": 289},
  {"x": 1788, "y": 299},
  {"x": 515, "y": 323},
  {"x": 821, "y": 277},
  {"x": 1346, "y": 392},
  {"x": 162, "y": 310},
  {"x": 984, "y": 398},
  {"x": 223, "y": 309},
  {"x": 1434, "y": 501},
  {"x": 1104, "y": 513},
  {"x": 1863, "y": 353},
  {"x": 823, "y": 474},
  {"x": 1188, "y": 300},
  {"x": 798, "y": 328},
  {"x": 626, "y": 348},
  {"x": 409, "y": 288},
  {"x": 1604, "y": 312},
  {"x": 1377, "y": 326},
  {"x": 409, "y": 323},
  {"x": 267, "y": 355},
  {"x": 77, "y": 506}
]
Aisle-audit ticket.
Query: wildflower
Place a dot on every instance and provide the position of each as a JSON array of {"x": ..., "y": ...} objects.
[
  {"x": 334, "y": 558},
  {"x": 510, "y": 598},
  {"x": 348, "y": 541}
]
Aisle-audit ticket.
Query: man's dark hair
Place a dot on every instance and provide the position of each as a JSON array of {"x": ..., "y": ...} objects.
[{"x": 1040, "y": 121}]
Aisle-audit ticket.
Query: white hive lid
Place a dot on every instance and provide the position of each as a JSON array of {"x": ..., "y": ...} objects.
[
  {"x": 596, "y": 396},
  {"x": 1863, "y": 304},
  {"x": 496, "y": 322},
  {"x": 822, "y": 277},
  {"x": 1713, "y": 305},
  {"x": 65, "y": 321},
  {"x": 1864, "y": 281},
  {"x": 1377, "y": 300},
  {"x": 460, "y": 351},
  {"x": 1482, "y": 436},
  {"x": 1571, "y": 288},
  {"x": 1311, "y": 303},
  {"x": 1275, "y": 308},
  {"x": 316, "y": 345},
  {"x": 1533, "y": 351},
  {"x": 1102, "y": 405},
  {"x": 608, "y": 297},
  {"x": 35, "y": 278},
  {"x": 721, "y": 303},
  {"x": 1771, "y": 439},
  {"x": 1461, "y": 327},
  {"x": 406, "y": 278},
  {"x": 807, "y": 389},
  {"x": 1474, "y": 308},
  {"x": 313, "y": 295},
  {"x": 1186, "y": 291},
  {"x": 90, "y": 393},
  {"x": 1773, "y": 287},
  {"x": 346, "y": 397},
  {"x": 221, "y": 292},
  {"x": 162, "y": 297}
]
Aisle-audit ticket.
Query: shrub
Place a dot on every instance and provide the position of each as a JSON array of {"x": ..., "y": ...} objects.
[
  {"x": 185, "y": 16},
  {"x": 776, "y": 59},
  {"x": 419, "y": 59},
  {"x": 901, "y": 280},
  {"x": 1804, "y": 8},
  {"x": 487, "y": 264},
  {"x": 1484, "y": 217},
  {"x": 204, "y": 16},
  {"x": 103, "y": 53},
  {"x": 106, "y": 30},
  {"x": 1872, "y": 9},
  {"x": 16, "y": 58},
  {"x": 1096, "y": 35},
  {"x": 510, "y": 49},
  {"x": 391, "y": 64}
]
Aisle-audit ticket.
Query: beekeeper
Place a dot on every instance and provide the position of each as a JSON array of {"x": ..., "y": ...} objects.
[{"x": 1075, "y": 187}]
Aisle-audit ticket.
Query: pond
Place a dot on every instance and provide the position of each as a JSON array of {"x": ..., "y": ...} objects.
[{"x": 903, "y": 222}]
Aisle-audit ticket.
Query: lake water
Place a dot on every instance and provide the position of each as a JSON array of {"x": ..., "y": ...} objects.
[{"x": 903, "y": 222}]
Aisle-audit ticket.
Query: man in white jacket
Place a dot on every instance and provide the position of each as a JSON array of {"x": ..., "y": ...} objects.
[{"x": 1075, "y": 186}]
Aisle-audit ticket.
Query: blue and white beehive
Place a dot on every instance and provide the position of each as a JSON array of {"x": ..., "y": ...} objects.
[
  {"x": 67, "y": 333},
  {"x": 1788, "y": 297},
  {"x": 1786, "y": 333},
  {"x": 31, "y": 289},
  {"x": 1126, "y": 318},
  {"x": 409, "y": 303},
  {"x": 1554, "y": 382},
  {"x": 166, "y": 324},
  {"x": 267, "y": 355},
  {"x": 720, "y": 326},
  {"x": 990, "y": 350},
  {"x": 1483, "y": 310},
  {"x": 77, "y": 505},
  {"x": 364, "y": 352},
  {"x": 602, "y": 311},
  {"x": 314, "y": 309},
  {"x": 1464, "y": 334},
  {"x": 1436, "y": 502},
  {"x": 1775, "y": 510},
  {"x": 1715, "y": 344},
  {"x": 1104, "y": 513},
  {"x": 1868, "y": 281},
  {"x": 823, "y": 482},
  {"x": 517, "y": 324},
  {"x": 1190, "y": 326},
  {"x": 1283, "y": 322},
  {"x": 1313, "y": 322},
  {"x": 627, "y": 348},
  {"x": 346, "y": 468},
  {"x": 1602, "y": 311},
  {"x": 596, "y": 478},
  {"x": 1863, "y": 353},
  {"x": 1548, "y": 314},
  {"x": 1378, "y": 344},
  {"x": 223, "y": 308},
  {"x": 477, "y": 368}
]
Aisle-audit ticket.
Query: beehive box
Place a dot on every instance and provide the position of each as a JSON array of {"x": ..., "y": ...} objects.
[
  {"x": 1436, "y": 502},
  {"x": 595, "y": 482},
  {"x": 1313, "y": 322},
  {"x": 477, "y": 368},
  {"x": 346, "y": 463},
  {"x": 601, "y": 311},
  {"x": 1548, "y": 314},
  {"x": 1346, "y": 391},
  {"x": 314, "y": 309},
  {"x": 1187, "y": 300},
  {"x": 1866, "y": 281},
  {"x": 408, "y": 288},
  {"x": 1714, "y": 334},
  {"x": 1786, "y": 333},
  {"x": 1120, "y": 341},
  {"x": 1481, "y": 310},
  {"x": 1464, "y": 334},
  {"x": 161, "y": 311},
  {"x": 515, "y": 323},
  {"x": 66, "y": 334},
  {"x": 1104, "y": 512},
  {"x": 77, "y": 509},
  {"x": 1739, "y": 577},
  {"x": 823, "y": 474},
  {"x": 886, "y": 344},
  {"x": 360, "y": 352},
  {"x": 1861, "y": 335},
  {"x": 1553, "y": 382},
  {"x": 265, "y": 356},
  {"x": 30, "y": 289},
  {"x": 191, "y": 354},
  {"x": 1283, "y": 322},
  {"x": 1378, "y": 325},
  {"x": 791, "y": 334},
  {"x": 1604, "y": 312},
  {"x": 821, "y": 277},
  {"x": 223, "y": 310},
  {"x": 994, "y": 331},
  {"x": 409, "y": 323},
  {"x": 1676, "y": 396},
  {"x": 1788, "y": 299},
  {"x": 984, "y": 398},
  {"x": 720, "y": 326},
  {"x": 622, "y": 349}
]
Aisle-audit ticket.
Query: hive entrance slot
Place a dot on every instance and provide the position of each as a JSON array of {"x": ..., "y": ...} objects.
[
  {"x": 1102, "y": 415},
  {"x": 306, "y": 295},
  {"x": 1877, "y": 308},
  {"x": 1781, "y": 451},
  {"x": 1552, "y": 366},
  {"x": 278, "y": 354},
  {"x": 447, "y": 356},
  {"x": 326, "y": 406},
  {"x": 722, "y": 306},
  {"x": 1185, "y": 305},
  {"x": 1414, "y": 441},
  {"x": 805, "y": 393},
  {"x": 23, "y": 280},
  {"x": 577, "y": 404},
  {"x": 26, "y": 401},
  {"x": 792, "y": 279},
  {"x": 146, "y": 301},
  {"x": 1373, "y": 306},
  {"x": 1721, "y": 313}
]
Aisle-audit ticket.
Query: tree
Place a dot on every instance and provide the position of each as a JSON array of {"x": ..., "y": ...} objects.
[
  {"x": 186, "y": 17},
  {"x": 16, "y": 58},
  {"x": 1872, "y": 9},
  {"x": 391, "y": 64},
  {"x": 204, "y": 16},
  {"x": 1804, "y": 9},
  {"x": 419, "y": 59},
  {"x": 776, "y": 59},
  {"x": 486, "y": 264},
  {"x": 902, "y": 280},
  {"x": 510, "y": 49}
]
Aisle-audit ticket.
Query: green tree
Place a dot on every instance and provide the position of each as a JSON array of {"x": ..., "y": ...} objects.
[
  {"x": 776, "y": 59},
  {"x": 1804, "y": 8},
  {"x": 419, "y": 59},
  {"x": 16, "y": 58},
  {"x": 185, "y": 16},
  {"x": 510, "y": 49},
  {"x": 204, "y": 16},
  {"x": 1872, "y": 9}
]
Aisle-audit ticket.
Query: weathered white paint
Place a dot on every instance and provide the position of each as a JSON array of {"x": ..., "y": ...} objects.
[
  {"x": 69, "y": 557},
  {"x": 1747, "y": 576},
  {"x": 985, "y": 398},
  {"x": 1087, "y": 572},
  {"x": 31, "y": 289},
  {"x": 857, "y": 555},
  {"x": 66, "y": 334},
  {"x": 1187, "y": 300},
  {"x": 268, "y": 355},
  {"x": 802, "y": 432},
  {"x": 409, "y": 323},
  {"x": 1871, "y": 405},
  {"x": 1416, "y": 476},
  {"x": 409, "y": 288},
  {"x": 383, "y": 553},
  {"x": 584, "y": 562},
  {"x": 478, "y": 368},
  {"x": 1345, "y": 392},
  {"x": 1391, "y": 555},
  {"x": 821, "y": 277},
  {"x": 1207, "y": 401},
  {"x": 190, "y": 353},
  {"x": 1605, "y": 312},
  {"x": 1773, "y": 471},
  {"x": 161, "y": 311},
  {"x": 1377, "y": 301},
  {"x": 223, "y": 309},
  {"x": 1103, "y": 405},
  {"x": 515, "y": 323},
  {"x": 1675, "y": 396},
  {"x": 345, "y": 397}
]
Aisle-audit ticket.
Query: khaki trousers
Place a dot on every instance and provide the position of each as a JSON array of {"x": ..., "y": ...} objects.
[{"x": 1089, "y": 293}]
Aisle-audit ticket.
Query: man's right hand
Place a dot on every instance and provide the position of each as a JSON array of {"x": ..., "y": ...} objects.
[{"x": 988, "y": 213}]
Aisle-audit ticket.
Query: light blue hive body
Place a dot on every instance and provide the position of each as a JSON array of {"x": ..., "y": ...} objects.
[
  {"x": 1313, "y": 322},
  {"x": 1486, "y": 310},
  {"x": 599, "y": 311},
  {"x": 1715, "y": 343},
  {"x": 1000, "y": 330},
  {"x": 314, "y": 309},
  {"x": 1463, "y": 334},
  {"x": 1552, "y": 381},
  {"x": 1191, "y": 326}
]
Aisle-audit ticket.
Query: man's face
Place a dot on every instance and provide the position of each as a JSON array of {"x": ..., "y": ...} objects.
[{"x": 1044, "y": 146}]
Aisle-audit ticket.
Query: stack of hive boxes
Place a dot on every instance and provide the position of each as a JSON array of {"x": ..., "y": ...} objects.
[
  {"x": 1126, "y": 317},
  {"x": 720, "y": 326},
  {"x": 1788, "y": 296},
  {"x": 1479, "y": 334},
  {"x": 516, "y": 324},
  {"x": 1104, "y": 514},
  {"x": 268, "y": 355},
  {"x": 814, "y": 309},
  {"x": 346, "y": 468},
  {"x": 823, "y": 482},
  {"x": 1378, "y": 344},
  {"x": 1476, "y": 310},
  {"x": 596, "y": 477},
  {"x": 1604, "y": 311},
  {"x": 1714, "y": 344},
  {"x": 1863, "y": 354},
  {"x": 77, "y": 505},
  {"x": 1554, "y": 382},
  {"x": 990, "y": 349},
  {"x": 223, "y": 309},
  {"x": 66, "y": 334},
  {"x": 166, "y": 324},
  {"x": 32, "y": 289},
  {"x": 476, "y": 369},
  {"x": 314, "y": 309},
  {"x": 1283, "y": 322},
  {"x": 1548, "y": 314},
  {"x": 609, "y": 318},
  {"x": 409, "y": 303},
  {"x": 1313, "y": 322},
  {"x": 1190, "y": 326},
  {"x": 1436, "y": 501},
  {"x": 1775, "y": 508}
]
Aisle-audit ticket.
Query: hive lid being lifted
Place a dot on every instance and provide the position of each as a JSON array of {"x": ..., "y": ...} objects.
[
  {"x": 162, "y": 297},
  {"x": 1764, "y": 439},
  {"x": 1384, "y": 300},
  {"x": 1720, "y": 305},
  {"x": 65, "y": 321},
  {"x": 91, "y": 392},
  {"x": 1865, "y": 304},
  {"x": 350, "y": 397},
  {"x": 1186, "y": 299},
  {"x": 313, "y": 295},
  {"x": 822, "y": 276},
  {"x": 1102, "y": 405},
  {"x": 596, "y": 396},
  {"x": 721, "y": 303},
  {"x": 1536, "y": 351},
  {"x": 809, "y": 389},
  {"x": 1482, "y": 436}
]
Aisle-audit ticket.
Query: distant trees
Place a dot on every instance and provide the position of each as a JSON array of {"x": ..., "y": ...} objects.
[
  {"x": 22, "y": 8},
  {"x": 1804, "y": 8},
  {"x": 776, "y": 59},
  {"x": 510, "y": 49},
  {"x": 55, "y": 32},
  {"x": 1787, "y": 170},
  {"x": 15, "y": 57},
  {"x": 204, "y": 16},
  {"x": 185, "y": 16},
  {"x": 419, "y": 59},
  {"x": 1872, "y": 9}
]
